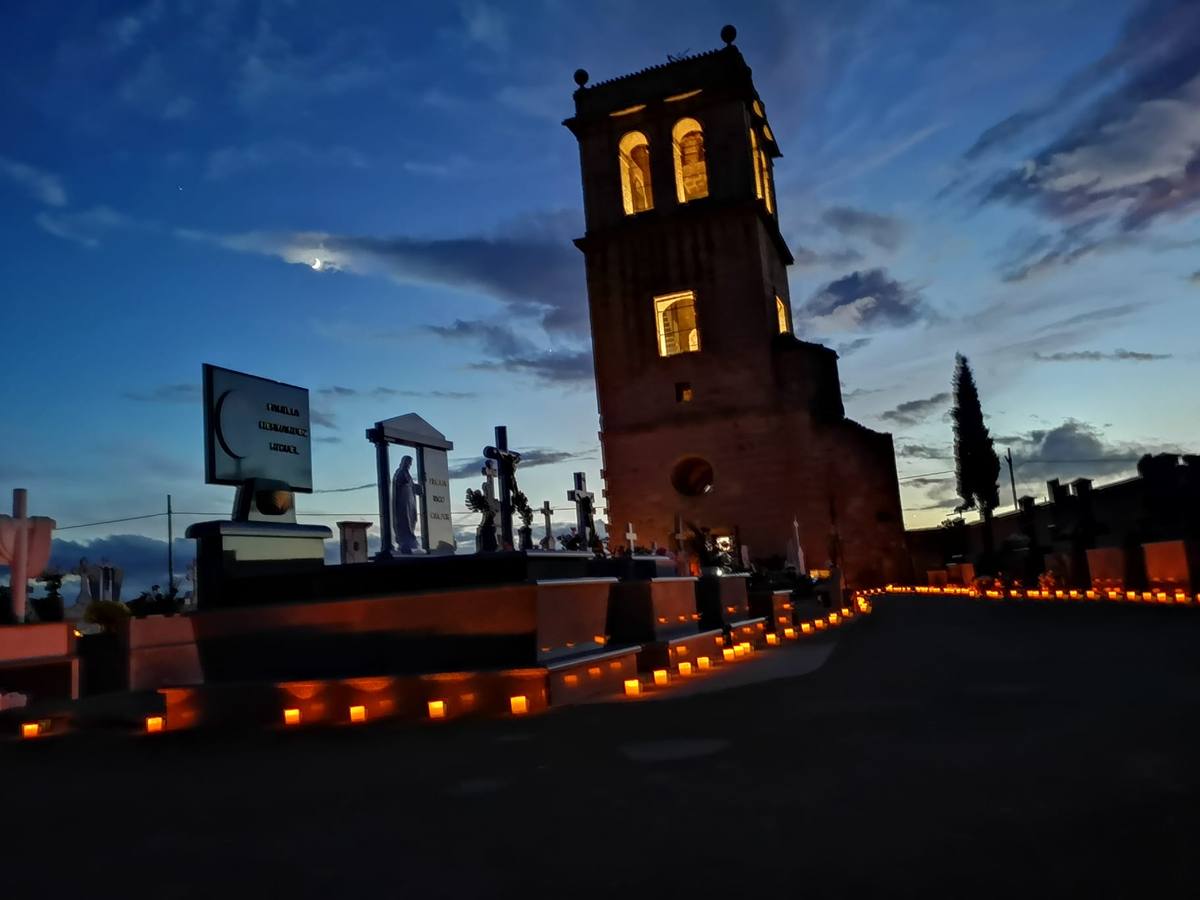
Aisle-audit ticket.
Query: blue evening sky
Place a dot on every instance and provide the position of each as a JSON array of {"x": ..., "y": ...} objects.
[{"x": 376, "y": 201}]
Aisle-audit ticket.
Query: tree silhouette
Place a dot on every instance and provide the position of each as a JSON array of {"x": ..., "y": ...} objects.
[{"x": 976, "y": 465}]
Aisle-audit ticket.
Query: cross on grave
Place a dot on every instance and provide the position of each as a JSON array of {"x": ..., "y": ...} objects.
[
  {"x": 630, "y": 537},
  {"x": 680, "y": 536},
  {"x": 582, "y": 498},
  {"x": 506, "y": 462},
  {"x": 546, "y": 510}
]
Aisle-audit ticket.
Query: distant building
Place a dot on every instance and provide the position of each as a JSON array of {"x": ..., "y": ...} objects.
[{"x": 710, "y": 407}]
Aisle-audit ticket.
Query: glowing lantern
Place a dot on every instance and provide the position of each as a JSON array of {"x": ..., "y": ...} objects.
[
  {"x": 594, "y": 672},
  {"x": 660, "y": 677},
  {"x": 685, "y": 669},
  {"x": 600, "y": 639},
  {"x": 806, "y": 627},
  {"x": 571, "y": 680},
  {"x": 358, "y": 714},
  {"x": 703, "y": 663},
  {"x": 154, "y": 724},
  {"x": 846, "y": 612},
  {"x": 834, "y": 618},
  {"x": 719, "y": 640},
  {"x": 728, "y": 655},
  {"x": 820, "y": 624},
  {"x": 31, "y": 729},
  {"x": 291, "y": 716},
  {"x": 789, "y": 633},
  {"x": 682, "y": 650},
  {"x": 437, "y": 709},
  {"x": 772, "y": 638},
  {"x": 518, "y": 704},
  {"x": 633, "y": 687}
]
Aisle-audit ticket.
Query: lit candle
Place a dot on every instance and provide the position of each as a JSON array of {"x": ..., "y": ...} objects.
[
  {"x": 437, "y": 709},
  {"x": 518, "y": 704}
]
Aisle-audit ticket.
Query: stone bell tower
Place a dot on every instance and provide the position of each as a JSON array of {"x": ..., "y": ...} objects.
[{"x": 710, "y": 408}]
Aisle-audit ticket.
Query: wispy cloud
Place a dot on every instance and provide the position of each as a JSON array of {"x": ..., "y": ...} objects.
[
  {"x": 913, "y": 412},
  {"x": 45, "y": 187},
  {"x": 885, "y": 232},
  {"x": 864, "y": 301},
  {"x": 85, "y": 227},
  {"x": 227, "y": 162},
  {"x": 167, "y": 393},
  {"x": 530, "y": 266},
  {"x": 1100, "y": 356}
]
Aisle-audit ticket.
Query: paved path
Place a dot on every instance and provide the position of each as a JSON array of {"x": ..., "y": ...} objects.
[{"x": 947, "y": 748}]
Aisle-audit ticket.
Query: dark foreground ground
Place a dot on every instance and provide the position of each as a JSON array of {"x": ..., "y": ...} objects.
[{"x": 948, "y": 748}]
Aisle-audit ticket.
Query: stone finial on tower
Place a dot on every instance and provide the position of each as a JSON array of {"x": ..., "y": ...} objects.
[
  {"x": 581, "y": 77},
  {"x": 728, "y": 34}
]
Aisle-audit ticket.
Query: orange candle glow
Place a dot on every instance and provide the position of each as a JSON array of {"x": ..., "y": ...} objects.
[
  {"x": 291, "y": 716},
  {"x": 154, "y": 724},
  {"x": 633, "y": 687},
  {"x": 30, "y": 729},
  {"x": 519, "y": 705},
  {"x": 685, "y": 669},
  {"x": 437, "y": 709},
  {"x": 660, "y": 677},
  {"x": 772, "y": 638},
  {"x": 789, "y": 633},
  {"x": 358, "y": 714},
  {"x": 703, "y": 662},
  {"x": 728, "y": 655}
]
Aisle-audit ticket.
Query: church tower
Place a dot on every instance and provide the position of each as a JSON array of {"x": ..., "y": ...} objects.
[{"x": 710, "y": 408}]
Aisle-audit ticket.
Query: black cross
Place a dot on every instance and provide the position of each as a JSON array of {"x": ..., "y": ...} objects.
[
  {"x": 582, "y": 498},
  {"x": 506, "y": 462}
]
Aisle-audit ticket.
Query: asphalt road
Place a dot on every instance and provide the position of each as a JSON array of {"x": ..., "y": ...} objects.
[{"x": 946, "y": 748}]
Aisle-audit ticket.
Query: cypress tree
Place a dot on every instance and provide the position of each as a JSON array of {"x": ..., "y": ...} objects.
[{"x": 976, "y": 465}]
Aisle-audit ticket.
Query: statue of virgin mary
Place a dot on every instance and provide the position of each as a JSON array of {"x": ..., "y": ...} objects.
[{"x": 404, "y": 507}]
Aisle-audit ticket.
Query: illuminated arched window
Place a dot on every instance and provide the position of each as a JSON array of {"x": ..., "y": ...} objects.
[
  {"x": 635, "y": 173},
  {"x": 691, "y": 170},
  {"x": 781, "y": 312},
  {"x": 762, "y": 171},
  {"x": 675, "y": 321}
]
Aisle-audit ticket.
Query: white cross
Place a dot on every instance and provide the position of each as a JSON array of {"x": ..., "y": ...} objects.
[
  {"x": 679, "y": 534},
  {"x": 630, "y": 537}
]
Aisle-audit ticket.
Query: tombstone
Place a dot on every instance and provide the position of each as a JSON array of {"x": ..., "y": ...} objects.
[
  {"x": 431, "y": 485},
  {"x": 353, "y": 541},
  {"x": 938, "y": 577},
  {"x": 256, "y": 439},
  {"x": 1172, "y": 566},
  {"x": 1107, "y": 566}
]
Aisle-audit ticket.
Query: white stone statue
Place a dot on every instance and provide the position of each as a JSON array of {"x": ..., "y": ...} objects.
[
  {"x": 404, "y": 507},
  {"x": 85, "y": 582}
]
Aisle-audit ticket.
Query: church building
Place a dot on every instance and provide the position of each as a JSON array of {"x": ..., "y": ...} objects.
[{"x": 712, "y": 411}]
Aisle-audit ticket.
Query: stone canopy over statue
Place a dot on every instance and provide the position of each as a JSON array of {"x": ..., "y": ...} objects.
[{"x": 414, "y": 507}]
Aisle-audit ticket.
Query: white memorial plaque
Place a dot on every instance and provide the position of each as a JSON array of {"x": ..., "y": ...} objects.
[
  {"x": 255, "y": 428},
  {"x": 435, "y": 482}
]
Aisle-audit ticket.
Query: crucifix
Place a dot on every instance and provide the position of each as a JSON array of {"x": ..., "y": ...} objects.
[
  {"x": 630, "y": 537},
  {"x": 506, "y": 464},
  {"x": 546, "y": 510},
  {"x": 582, "y": 498}
]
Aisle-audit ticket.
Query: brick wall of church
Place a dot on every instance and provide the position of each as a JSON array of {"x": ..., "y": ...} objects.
[{"x": 768, "y": 468}]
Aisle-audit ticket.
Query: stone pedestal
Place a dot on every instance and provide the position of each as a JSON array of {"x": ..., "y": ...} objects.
[
  {"x": 353, "y": 542},
  {"x": 776, "y": 607},
  {"x": 228, "y": 550},
  {"x": 961, "y": 573},
  {"x": 39, "y": 661}
]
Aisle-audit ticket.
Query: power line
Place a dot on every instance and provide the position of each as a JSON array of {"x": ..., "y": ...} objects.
[{"x": 109, "y": 521}]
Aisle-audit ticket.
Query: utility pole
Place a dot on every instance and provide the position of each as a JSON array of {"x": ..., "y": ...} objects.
[
  {"x": 170, "y": 549},
  {"x": 1011, "y": 478}
]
